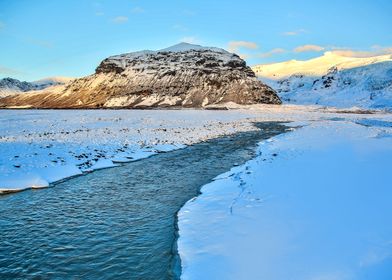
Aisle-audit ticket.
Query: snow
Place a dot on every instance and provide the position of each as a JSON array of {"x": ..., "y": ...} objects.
[
  {"x": 318, "y": 66},
  {"x": 52, "y": 81},
  {"x": 183, "y": 47},
  {"x": 9, "y": 86},
  {"x": 332, "y": 80},
  {"x": 314, "y": 204},
  {"x": 144, "y": 60},
  {"x": 39, "y": 147}
]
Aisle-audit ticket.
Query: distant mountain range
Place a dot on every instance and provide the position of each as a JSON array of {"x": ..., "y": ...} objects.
[
  {"x": 187, "y": 75},
  {"x": 10, "y": 86},
  {"x": 332, "y": 80},
  {"x": 183, "y": 75}
]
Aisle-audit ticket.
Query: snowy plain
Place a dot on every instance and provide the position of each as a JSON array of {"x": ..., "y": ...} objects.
[
  {"x": 313, "y": 205},
  {"x": 39, "y": 147}
]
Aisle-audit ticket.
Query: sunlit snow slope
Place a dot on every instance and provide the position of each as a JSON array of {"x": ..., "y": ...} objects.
[{"x": 332, "y": 80}]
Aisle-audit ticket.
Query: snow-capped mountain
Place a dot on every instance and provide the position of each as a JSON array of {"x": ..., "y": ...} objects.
[
  {"x": 10, "y": 86},
  {"x": 332, "y": 80},
  {"x": 183, "y": 75},
  {"x": 52, "y": 81}
]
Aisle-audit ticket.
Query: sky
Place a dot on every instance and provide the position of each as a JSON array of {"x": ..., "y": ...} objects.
[{"x": 43, "y": 38}]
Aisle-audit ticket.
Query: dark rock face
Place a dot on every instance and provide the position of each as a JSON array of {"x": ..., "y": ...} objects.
[{"x": 190, "y": 77}]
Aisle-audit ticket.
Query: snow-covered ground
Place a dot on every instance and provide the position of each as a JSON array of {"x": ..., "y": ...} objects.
[
  {"x": 332, "y": 80},
  {"x": 38, "y": 147},
  {"x": 315, "y": 204}
]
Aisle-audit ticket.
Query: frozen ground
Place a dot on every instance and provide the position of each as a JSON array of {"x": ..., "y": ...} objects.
[
  {"x": 315, "y": 204},
  {"x": 39, "y": 147}
]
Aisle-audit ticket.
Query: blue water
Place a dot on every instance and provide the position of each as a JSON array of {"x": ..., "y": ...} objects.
[{"x": 117, "y": 223}]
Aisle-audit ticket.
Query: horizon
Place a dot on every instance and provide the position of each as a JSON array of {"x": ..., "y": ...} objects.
[{"x": 71, "y": 42}]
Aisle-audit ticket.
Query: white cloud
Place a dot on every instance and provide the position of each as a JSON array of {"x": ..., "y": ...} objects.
[
  {"x": 137, "y": 10},
  {"x": 294, "y": 32},
  {"x": 190, "y": 40},
  {"x": 375, "y": 51},
  {"x": 120, "y": 19},
  {"x": 271, "y": 53},
  {"x": 309, "y": 48},
  {"x": 354, "y": 53},
  {"x": 234, "y": 46},
  {"x": 9, "y": 71}
]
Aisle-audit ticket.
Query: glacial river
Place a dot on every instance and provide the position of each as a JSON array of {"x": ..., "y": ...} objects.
[{"x": 117, "y": 223}]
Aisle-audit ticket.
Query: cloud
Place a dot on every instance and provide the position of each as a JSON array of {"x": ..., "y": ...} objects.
[
  {"x": 99, "y": 14},
  {"x": 294, "y": 32},
  {"x": 120, "y": 19},
  {"x": 375, "y": 51},
  {"x": 2, "y": 25},
  {"x": 234, "y": 46},
  {"x": 9, "y": 71},
  {"x": 137, "y": 10},
  {"x": 189, "y": 13},
  {"x": 190, "y": 40},
  {"x": 40, "y": 43},
  {"x": 309, "y": 48},
  {"x": 271, "y": 53},
  {"x": 180, "y": 27}
]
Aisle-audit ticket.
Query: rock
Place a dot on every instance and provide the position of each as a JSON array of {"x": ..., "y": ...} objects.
[{"x": 181, "y": 76}]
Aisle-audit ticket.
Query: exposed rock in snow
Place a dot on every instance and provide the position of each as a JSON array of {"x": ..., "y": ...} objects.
[
  {"x": 183, "y": 75},
  {"x": 332, "y": 80},
  {"x": 10, "y": 86}
]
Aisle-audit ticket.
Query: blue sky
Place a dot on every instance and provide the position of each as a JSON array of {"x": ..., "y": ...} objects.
[{"x": 43, "y": 38}]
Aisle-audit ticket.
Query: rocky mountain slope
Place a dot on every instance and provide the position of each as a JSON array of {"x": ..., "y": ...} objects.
[
  {"x": 10, "y": 86},
  {"x": 183, "y": 75},
  {"x": 332, "y": 80}
]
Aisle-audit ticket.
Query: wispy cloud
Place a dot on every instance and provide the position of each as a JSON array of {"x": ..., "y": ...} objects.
[
  {"x": 375, "y": 51},
  {"x": 40, "y": 43},
  {"x": 137, "y": 10},
  {"x": 120, "y": 19},
  {"x": 234, "y": 46},
  {"x": 189, "y": 13},
  {"x": 190, "y": 40},
  {"x": 294, "y": 32},
  {"x": 271, "y": 53},
  {"x": 9, "y": 71},
  {"x": 309, "y": 48},
  {"x": 99, "y": 14},
  {"x": 180, "y": 27},
  {"x": 2, "y": 25}
]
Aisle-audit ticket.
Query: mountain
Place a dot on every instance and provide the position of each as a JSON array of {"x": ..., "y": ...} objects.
[
  {"x": 183, "y": 75},
  {"x": 10, "y": 86},
  {"x": 332, "y": 80}
]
